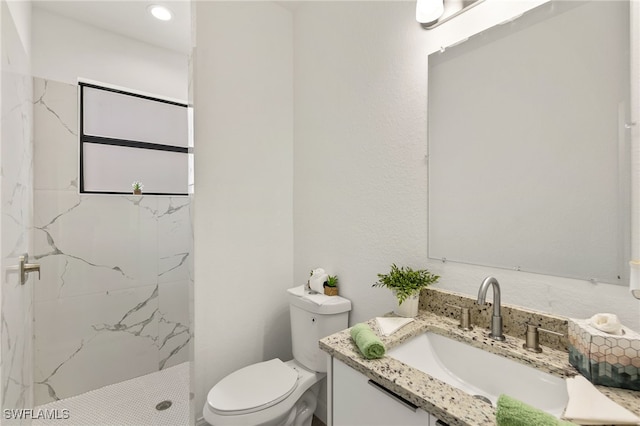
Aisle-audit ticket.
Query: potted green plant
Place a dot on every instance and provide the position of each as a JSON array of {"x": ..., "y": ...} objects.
[
  {"x": 406, "y": 284},
  {"x": 331, "y": 285},
  {"x": 137, "y": 187}
]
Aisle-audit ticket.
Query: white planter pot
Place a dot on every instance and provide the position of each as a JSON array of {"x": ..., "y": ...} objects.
[{"x": 408, "y": 308}]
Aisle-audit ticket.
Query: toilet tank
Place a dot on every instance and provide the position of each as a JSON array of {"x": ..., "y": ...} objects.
[{"x": 311, "y": 321}]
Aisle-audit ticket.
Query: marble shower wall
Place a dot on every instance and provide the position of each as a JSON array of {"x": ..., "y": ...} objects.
[
  {"x": 16, "y": 155},
  {"x": 113, "y": 301}
]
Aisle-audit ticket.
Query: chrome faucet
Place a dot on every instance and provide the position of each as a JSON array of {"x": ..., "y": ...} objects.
[{"x": 496, "y": 320}]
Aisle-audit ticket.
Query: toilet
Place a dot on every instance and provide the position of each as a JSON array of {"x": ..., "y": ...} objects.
[{"x": 275, "y": 393}]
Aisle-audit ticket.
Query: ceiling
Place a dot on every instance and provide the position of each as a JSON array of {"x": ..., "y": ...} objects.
[{"x": 130, "y": 18}]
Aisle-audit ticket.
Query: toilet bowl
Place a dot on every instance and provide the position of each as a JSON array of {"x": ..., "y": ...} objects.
[
  {"x": 270, "y": 393},
  {"x": 276, "y": 393}
]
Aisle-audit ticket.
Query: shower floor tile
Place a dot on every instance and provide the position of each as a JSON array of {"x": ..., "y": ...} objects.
[{"x": 129, "y": 403}]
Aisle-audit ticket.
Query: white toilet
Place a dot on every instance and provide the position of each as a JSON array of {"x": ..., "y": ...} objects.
[{"x": 274, "y": 393}]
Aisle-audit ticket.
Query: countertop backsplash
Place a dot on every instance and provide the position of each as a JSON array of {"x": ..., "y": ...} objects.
[{"x": 514, "y": 318}]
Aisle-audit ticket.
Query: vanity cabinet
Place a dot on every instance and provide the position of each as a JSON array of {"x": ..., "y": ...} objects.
[{"x": 358, "y": 401}]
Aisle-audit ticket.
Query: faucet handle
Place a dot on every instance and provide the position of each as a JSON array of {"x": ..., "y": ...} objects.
[
  {"x": 532, "y": 341},
  {"x": 465, "y": 317}
]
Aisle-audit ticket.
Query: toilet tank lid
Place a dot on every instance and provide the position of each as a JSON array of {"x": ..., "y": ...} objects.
[{"x": 318, "y": 303}]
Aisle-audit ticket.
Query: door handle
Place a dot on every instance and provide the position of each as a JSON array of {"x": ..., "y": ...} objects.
[{"x": 24, "y": 268}]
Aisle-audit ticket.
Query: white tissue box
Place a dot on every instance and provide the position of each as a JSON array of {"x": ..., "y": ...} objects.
[{"x": 605, "y": 359}]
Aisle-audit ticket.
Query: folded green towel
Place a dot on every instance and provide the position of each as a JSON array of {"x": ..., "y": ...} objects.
[
  {"x": 512, "y": 412},
  {"x": 367, "y": 341}
]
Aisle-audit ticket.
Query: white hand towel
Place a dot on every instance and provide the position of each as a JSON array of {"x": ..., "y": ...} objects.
[
  {"x": 318, "y": 271},
  {"x": 588, "y": 406},
  {"x": 389, "y": 325},
  {"x": 316, "y": 282},
  {"x": 609, "y": 323}
]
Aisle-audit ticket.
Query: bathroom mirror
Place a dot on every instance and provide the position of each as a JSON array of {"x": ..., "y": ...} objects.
[{"x": 529, "y": 144}]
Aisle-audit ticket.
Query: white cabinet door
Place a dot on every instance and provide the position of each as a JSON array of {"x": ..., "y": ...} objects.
[{"x": 358, "y": 401}]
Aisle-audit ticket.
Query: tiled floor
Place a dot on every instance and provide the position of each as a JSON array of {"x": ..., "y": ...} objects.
[{"x": 129, "y": 403}]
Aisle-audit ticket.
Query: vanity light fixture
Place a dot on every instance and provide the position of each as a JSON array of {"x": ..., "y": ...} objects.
[
  {"x": 431, "y": 13},
  {"x": 429, "y": 10},
  {"x": 160, "y": 12}
]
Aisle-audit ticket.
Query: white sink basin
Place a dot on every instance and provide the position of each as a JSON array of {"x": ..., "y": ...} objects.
[{"x": 482, "y": 373}]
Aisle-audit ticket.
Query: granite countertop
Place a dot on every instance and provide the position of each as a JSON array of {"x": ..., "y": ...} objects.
[{"x": 444, "y": 401}]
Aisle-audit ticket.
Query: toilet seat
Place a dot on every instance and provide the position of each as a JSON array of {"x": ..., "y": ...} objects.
[{"x": 253, "y": 388}]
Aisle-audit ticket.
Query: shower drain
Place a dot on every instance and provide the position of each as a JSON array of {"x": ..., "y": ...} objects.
[{"x": 163, "y": 405}]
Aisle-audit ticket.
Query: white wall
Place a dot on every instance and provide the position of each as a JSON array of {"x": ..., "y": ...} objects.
[
  {"x": 243, "y": 202},
  {"x": 65, "y": 49},
  {"x": 360, "y": 143},
  {"x": 22, "y": 17},
  {"x": 360, "y": 183}
]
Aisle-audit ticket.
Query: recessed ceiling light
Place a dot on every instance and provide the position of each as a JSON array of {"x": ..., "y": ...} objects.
[{"x": 160, "y": 12}]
